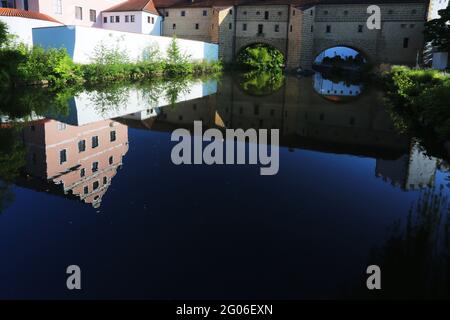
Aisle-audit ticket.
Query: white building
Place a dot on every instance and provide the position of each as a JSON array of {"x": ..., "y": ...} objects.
[{"x": 138, "y": 16}]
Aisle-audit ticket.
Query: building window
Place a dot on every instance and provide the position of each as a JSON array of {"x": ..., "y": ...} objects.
[
  {"x": 117, "y": 19},
  {"x": 127, "y": 18},
  {"x": 290, "y": 28},
  {"x": 94, "y": 142},
  {"x": 95, "y": 185},
  {"x": 111, "y": 19},
  {"x": 258, "y": 13},
  {"x": 230, "y": 26},
  {"x": 111, "y": 160},
  {"x": 81, "y": 145},
  {"x": 411, "y": 26},
  {"x": 328, "y": 29},
  {"x": 167, "y": 13},
  {"x": 311, "y": 12},
  {"x": 245, "y": 13},
  {"x": 105, "y": 20},
  {"x": 132, "y": 17},
  {"x": 93, "y": 15},
  {"x": 360, "y": 28},
  {"x": 105, "y": 180},
  {"x": 82, "y": 172},
  {"x": 325, "y": 12},
  {"x": 293, "y": 12},
  {"x": 230, "y": 12},
  {"x": 149, "y": 20},
  {"x": 183, "y": 13},
  {"x": 280, "y": 13},
  {"x": 244, "y": 27},
  {"x": 312, "y": 28},
  {"x": 196, "y": 26},
  {"x": 277, "y": 28},
  {"x": 205, "y": 13},
  {"x": 61, "y": 126},
  {"x": 345, "y": 12},
  {"x": 79, "y": 13},
  {"x": 86, "y": 190},
  {"x": 405, "y": 43},
  {"x": 403, "y": 25},
  {"x": 95, "y": 166},
  {"x": 174, "y": 26},
  {"x": 266, "y": 15},
  {"x": 62, "y": 156},
  {"x": 414, "y": 11},
  {"x": 57, "y": 6},
  {"x": 391, "y": 11},
  {"x": 153, "y": 20},
  {"x": 260, "y": 28},
  {"x": 112, "y": 136}
]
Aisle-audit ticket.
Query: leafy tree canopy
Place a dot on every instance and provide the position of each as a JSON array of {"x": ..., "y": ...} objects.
[{"x": 437, "y": 31}]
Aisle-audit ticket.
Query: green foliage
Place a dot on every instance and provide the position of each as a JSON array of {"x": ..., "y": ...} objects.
[
  {"x": 20, "y": 65},
  {"x": 176, "y": 63},
  {"x": 261, "y": 83},
  {"x": 3, "y": 34},
  {"x": 422, "y": 97},
  {"x": 437, "y": 31},
  {"x": 261, "y": 57}
]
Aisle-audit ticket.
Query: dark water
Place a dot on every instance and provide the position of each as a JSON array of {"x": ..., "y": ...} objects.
[{"x": 351, "y": 191}]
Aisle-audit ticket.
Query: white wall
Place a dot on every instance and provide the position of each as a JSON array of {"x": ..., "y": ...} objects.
[
  {"x": 440, "y": 60},
  {"x": 140, "y": 24},
  {"x": 134, "y": 103},
  {"x": 22, "y": 27},
  {"x": 81, "y": 43}
]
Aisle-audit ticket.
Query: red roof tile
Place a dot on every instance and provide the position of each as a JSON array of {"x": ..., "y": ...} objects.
[
  {"x": 9, "y": 12},
  {"x": 134, "y": 5}
]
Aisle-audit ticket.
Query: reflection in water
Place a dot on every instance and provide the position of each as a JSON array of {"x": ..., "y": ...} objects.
[
  {"x": 83, "y": 160},
  {"x": 261, "y": 83},
  {"x": 415, "y": 260},
  {"x": 77, "y": 151},
  {"x": 336, "y": 90}
]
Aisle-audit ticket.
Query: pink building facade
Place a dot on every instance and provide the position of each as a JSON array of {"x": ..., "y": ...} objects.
[
  {"x": 83, "y": 160},
  {"x": 70, "y": 12}
]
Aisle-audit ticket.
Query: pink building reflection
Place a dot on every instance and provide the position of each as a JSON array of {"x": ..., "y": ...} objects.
[{"x": 83, "y": 160}]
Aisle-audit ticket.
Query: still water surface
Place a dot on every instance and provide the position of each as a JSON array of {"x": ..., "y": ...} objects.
[{"x": 96, "y": 187}]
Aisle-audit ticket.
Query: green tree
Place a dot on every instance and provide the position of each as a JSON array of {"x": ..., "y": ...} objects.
[
  {"x": 3, "y": 33},
  {"x": 437, "y": 31}
]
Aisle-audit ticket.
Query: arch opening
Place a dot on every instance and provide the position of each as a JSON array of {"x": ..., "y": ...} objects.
[
  {"x": 341, "y": 58},
  {"x": 260, "y": 56}
]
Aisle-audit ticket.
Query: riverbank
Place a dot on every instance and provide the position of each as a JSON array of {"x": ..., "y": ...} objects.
[
  {"x": 420, "y": 101},
  {"x": 21, "y": 65}
]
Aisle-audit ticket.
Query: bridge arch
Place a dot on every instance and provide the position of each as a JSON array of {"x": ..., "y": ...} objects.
[
  {"x": 342, "y": 50},
  {"x": 250, "y": 43},
  {"x": 368, "y": 52}
]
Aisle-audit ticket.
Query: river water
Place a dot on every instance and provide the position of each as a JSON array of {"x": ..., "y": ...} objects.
[{"x": 92, "y": 184}]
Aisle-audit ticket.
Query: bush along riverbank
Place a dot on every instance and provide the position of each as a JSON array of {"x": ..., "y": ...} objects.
[
  {"x": 420, "y": 101},
  {"x": 21, "y": 65}
]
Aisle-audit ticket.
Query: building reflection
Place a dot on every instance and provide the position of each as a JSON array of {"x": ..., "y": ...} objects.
[
  {"x": 81, "y": 160},
  {"x": 78, "y": 157},
  {"x": 360, "y": 127}
]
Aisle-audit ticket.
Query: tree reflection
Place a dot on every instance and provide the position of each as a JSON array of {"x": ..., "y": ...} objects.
[
  {"x": 12, "y": 159},
  {"x": 261, "y": 83},
  {"x": 415, "y": 261}
]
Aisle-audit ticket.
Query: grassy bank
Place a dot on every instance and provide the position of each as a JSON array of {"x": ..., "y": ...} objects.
[
  {"x": 420, "y": 99},
  {"x": 21, "y": 65}
]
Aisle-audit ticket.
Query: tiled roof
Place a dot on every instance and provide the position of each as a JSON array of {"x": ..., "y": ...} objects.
[
  {"x": 299, "y": 3},
  {"x": 9, "y": 12},
  {"x": 134, "y": 5}
]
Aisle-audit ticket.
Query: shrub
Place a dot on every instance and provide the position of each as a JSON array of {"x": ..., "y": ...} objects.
[
  {"x": 260, "y": 57},
  {"x": 421, "y": 96}
]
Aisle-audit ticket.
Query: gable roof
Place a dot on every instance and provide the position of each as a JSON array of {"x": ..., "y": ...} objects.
[
  {"x": 9, "y": 12},
  {"x": 134, "y": 5}
]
